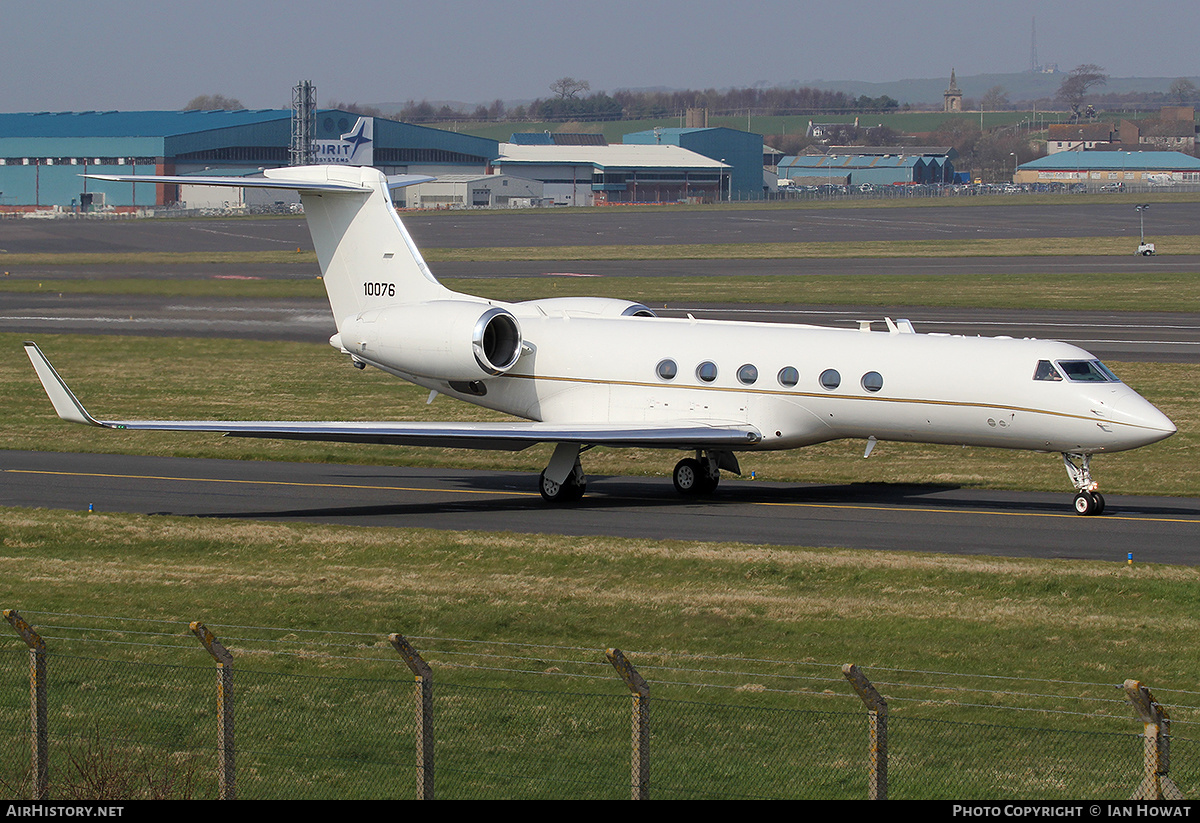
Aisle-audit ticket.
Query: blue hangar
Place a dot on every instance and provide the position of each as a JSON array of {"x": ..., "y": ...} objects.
[{"x": 42, "y": 155}]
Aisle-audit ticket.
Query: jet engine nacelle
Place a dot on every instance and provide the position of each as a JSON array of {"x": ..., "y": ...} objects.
[
  {"x": 592, "y": 306},
  {"x": 455, "y": 340}
]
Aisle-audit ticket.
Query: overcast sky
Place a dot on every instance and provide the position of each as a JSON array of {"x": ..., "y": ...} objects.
[{"x": 137, "y": 54}]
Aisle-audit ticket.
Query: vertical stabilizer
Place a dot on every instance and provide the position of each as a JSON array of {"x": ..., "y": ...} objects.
[{"x": 368, "y": 260}]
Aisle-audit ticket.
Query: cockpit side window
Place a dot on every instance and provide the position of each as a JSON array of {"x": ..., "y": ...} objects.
[
  {"x": 1107, "y": 371},
  {"x": 1045, "y": 371},
  {"x": 1084, "y": 371}
]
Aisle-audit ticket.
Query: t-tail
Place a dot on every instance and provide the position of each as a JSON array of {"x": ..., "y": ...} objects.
[{"x": 368, "y": 259}]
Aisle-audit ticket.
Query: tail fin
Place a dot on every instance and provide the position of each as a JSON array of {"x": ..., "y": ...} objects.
[{"x": 368, "y": 259}]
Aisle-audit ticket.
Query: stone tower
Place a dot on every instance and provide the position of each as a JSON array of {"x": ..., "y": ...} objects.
[{"x": 953, "y": 95}]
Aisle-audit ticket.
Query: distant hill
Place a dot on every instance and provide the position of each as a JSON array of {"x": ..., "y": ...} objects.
[{"x": 1020, "y": 86}]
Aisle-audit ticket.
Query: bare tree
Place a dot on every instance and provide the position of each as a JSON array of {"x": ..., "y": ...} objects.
[
  {"x": 213, "y": 102},
  {"x": 1183, "y": 90},
  {"x": 996, "y": 99},
  {"x": 569, "y": 87},
  {"x": 1077, "y": 83}
]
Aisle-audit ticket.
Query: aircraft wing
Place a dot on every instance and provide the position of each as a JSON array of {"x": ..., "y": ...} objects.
[{"x": 513, "y": 436}]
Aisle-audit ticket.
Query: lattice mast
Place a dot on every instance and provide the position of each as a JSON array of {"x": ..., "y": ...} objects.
[{"x": 304, "y": 122}]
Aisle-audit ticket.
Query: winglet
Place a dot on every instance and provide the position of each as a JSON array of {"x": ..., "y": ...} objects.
[{"x": 65, "y": 404}]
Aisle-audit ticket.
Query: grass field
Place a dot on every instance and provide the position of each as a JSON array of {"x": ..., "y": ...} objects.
[{"x": 979, "y": 658}]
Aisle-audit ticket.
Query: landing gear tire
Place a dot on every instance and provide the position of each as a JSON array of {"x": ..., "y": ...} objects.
[
  {"x": 692, "y": 478},
  {"x": 1089, "y": 503},
  {"x": 567, "y": 492},
  {"x": 687, "y": 477}
]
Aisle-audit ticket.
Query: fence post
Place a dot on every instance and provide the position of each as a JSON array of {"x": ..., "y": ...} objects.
[
  {"x": 39, "y": 734},
  {"x": 1156, "y": 785},
  {"x": 226, "y": 784},
  {"x": 877, "y": 712},
  {"x": 640, "y": 757},
  {"x": 423, "y": 676}
]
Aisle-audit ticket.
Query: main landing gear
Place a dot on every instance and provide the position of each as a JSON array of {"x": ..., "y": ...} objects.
[
  {"x": 568, "y": 491},
  {"x": 697, "y": 476},
  {"x": 563, "y": 481},
  {"x": 1088, "y": 501}
]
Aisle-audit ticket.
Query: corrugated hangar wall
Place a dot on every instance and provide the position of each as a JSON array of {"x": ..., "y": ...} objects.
[{"x": 43, "y": 155}]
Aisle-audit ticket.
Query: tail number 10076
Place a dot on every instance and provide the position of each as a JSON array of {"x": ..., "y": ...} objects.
[{"x": 379, "y": 289}]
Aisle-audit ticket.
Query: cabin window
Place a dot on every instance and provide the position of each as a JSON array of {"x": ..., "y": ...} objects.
[
  {"x": 748, "y": 374},
  {"x": 1045, "y": 371},
  {"x": 707, "y": 371},
  {"x": 872, "y": 381},
  {"x": 788, "y": 377},
  {"x": 667, "y": 369},
  {"x": 1083, "y": 371},
  {"x": 830, "y": 379}
]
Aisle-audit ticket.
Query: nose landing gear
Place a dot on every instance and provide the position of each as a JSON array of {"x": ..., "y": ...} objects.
[{"x": 1088, "y": 501}]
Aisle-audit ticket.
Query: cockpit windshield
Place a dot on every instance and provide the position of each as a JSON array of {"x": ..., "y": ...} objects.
[{"x": 1087, "y": 371}]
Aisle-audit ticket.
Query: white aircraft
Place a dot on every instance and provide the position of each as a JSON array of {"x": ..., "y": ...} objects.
[{"x": 588, "y": 372}]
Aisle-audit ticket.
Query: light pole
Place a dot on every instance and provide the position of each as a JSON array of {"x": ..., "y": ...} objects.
[
  {"x": 1013, "y": 155},
  {"x": 1141, "y": 210}
]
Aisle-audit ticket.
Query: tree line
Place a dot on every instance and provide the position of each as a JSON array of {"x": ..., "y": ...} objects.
[{"x": 568, "y": 104}]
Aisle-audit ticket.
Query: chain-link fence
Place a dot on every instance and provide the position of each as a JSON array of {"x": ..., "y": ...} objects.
[{"x": 134, "y": 710}]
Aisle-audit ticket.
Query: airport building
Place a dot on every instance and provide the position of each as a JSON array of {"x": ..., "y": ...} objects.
[
  {"x": 457, "y": 191},
  {"x": 586, "y": 175},
  {"x": 1108, "y": 168},
  {"x": 741, "y": 151},
  {"x": 864, "y": 165},
  {"x": 42, "y": 155}
]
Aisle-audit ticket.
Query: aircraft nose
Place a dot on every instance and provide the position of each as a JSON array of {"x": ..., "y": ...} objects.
[{"x": 1146, "y": 424}]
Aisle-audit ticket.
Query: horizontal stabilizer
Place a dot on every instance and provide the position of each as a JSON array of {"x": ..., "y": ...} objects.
[{"x": 297, "y": 178}]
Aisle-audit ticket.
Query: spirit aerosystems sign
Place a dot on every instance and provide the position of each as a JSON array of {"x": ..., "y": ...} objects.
[{"x": 356, "y": 148}]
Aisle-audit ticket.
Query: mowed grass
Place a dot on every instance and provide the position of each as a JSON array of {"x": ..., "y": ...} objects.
[
  {"x": 1081, "y": 620},
  {"x": 515, "y": 627},
  {"x": 1096, "y": 291},
  {"x": 987, "y": 247},
  {"x": 176, "y": 378}
]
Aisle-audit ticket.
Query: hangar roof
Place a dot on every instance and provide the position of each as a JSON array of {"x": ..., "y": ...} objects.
[
  {"x": 1115, "y": 160},
  {"x": 849, "y": 161},
  {"x": 621, "y": 155},
  {"x": 128, "y": 123}
]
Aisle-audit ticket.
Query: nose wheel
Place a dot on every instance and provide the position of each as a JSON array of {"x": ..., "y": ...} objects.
[{"x": 1088, "y": 501}]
